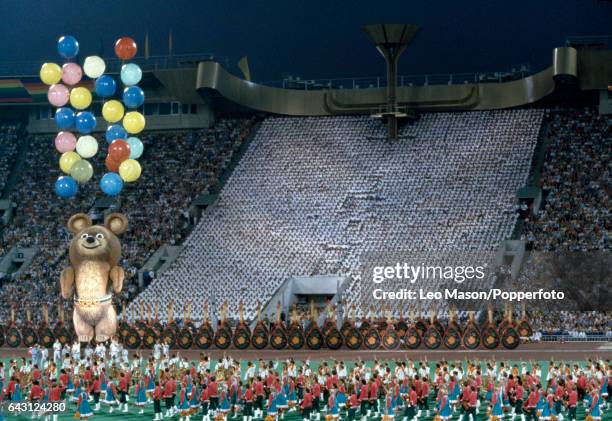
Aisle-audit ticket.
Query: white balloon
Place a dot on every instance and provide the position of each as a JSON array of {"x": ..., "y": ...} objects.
[
  {"x": 131, "y": 73},
  {"x": 94, "y": 67},
  {"x": 87, "y": 146}
]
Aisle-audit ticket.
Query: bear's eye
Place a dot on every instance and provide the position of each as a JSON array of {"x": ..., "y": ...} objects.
[
  {"x": 84, "y": 236},
  {"x": 99, "y": 236}
]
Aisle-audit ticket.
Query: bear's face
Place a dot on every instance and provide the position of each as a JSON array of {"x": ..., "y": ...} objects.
[{"x": 96, "y": 242}]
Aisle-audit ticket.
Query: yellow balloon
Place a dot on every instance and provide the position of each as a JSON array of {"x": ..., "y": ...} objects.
[
  {"x": 130, "y": 170},
  {"x": 80, "y": 98},
  {"x": 67, "y": 161},
  {"x": 134, "y": 122},
  {"x": 112, "y": 111},
  {"x": 50, "y": 73}
]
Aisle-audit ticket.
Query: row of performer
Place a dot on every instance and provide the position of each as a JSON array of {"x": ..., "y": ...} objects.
[
  {"x": 268, "y": 390},
  {"x": 297, "y": 333}
]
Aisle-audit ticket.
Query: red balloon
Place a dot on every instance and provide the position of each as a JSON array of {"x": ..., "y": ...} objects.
[
  {"x": 119, "y": 151},
  {"x": 111, "y": 164},
  {"x": 125, "y": 48}
]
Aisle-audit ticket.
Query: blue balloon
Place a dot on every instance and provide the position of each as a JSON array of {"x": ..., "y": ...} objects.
[
  {"x": 114, "y": 132},
  {"x": 136, "y": 147},
  {"x": 66, "y": 187},
  {"x": 133, "y": 97},
  {"x": 130, "y": 74},
  {"x": 85, "y": 122},
  {"x": 111, "y": 184},
  {"x": 64, "y": 117},
  {"x": 68, "y": 46},
  {"x": 105, "y": 86}
]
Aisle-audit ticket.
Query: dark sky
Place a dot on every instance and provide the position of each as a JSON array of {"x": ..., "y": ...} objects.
[{"x": 315, "y": 38}]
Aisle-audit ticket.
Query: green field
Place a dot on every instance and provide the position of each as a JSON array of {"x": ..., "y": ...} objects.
[{"x": 292, "y": 416}]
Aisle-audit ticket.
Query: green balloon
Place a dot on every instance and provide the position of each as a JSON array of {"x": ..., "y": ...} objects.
[{"x": 81, "y": 171}]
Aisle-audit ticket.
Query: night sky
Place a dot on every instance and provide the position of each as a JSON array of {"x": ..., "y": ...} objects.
[{"x": 314, "y": 38}]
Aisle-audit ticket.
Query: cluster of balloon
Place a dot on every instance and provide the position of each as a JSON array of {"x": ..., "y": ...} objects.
[{"x": 124, "y": 148}]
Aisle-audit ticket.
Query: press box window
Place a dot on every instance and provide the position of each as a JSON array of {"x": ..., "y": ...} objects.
[
  {"x": 150, "y": 109},
  {"x": 164, "y": 108}
]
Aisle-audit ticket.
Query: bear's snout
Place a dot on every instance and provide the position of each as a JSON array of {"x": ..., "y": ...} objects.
[{"x": 91, "y": 240}]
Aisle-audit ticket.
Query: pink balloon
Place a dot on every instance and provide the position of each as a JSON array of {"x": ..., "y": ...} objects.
[
  {"x": 71, "y": 73},
  {"x": 58, "y": 95},
  {"x": 65, "y": 142}
]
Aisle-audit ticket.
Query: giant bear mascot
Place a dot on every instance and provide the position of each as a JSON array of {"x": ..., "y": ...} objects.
[{"x": 95, "y": 252}]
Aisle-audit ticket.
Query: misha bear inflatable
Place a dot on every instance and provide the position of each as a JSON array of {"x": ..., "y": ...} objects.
[{"x": 95, "y": 251}]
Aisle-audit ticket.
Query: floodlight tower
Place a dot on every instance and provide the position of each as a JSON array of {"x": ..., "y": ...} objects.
[{"x": 391, "y": 40}]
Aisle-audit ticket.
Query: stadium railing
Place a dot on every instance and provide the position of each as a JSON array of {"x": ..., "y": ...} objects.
[
  {"x": 571, "y": 338},
  {"x": 298, "y": 83},
  {"x": 113, "y": 65},
  {"x": 593, "y": 41}
]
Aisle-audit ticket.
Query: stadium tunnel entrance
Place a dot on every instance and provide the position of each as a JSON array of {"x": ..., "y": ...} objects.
[{"x": 304, "y": 291}]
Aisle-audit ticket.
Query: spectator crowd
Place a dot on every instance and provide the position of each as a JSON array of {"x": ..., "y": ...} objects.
[
  {"x": 576, "y": 215},
  {"x": 315, "y": 196},
  {"x": 576, "y": 184},
  {"x": 10, "y": 136},
  {"x": 177, "y": 167}
]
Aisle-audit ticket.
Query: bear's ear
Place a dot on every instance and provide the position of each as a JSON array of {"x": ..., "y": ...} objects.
[
  {"x": 78, "y": 222},
  {"x": 117, "y": 223}
]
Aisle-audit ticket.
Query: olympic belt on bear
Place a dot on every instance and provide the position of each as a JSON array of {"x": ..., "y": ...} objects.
[{"x": 89, "y": 302}]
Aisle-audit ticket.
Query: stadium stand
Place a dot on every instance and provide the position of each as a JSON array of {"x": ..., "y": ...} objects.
[
  {"x": 9, "y": 142},
  {"x": 576, "y": 184},
  {"x": 316, "y": 195},
  {"x": 181, "y": 166},
  {"x": 40, "y": 224},
  {"x": 573, "y": 323},
  {"x": 354, "y": 192},
  {"x": 177, "y": 167},
  {"x": 576, "y": 215}
]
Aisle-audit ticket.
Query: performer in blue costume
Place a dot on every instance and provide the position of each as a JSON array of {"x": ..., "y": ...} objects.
[
  {"x": 84, "y": 409},
  {"x": 445, "y": 410},
  {"x": 497, "y": 411}
]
